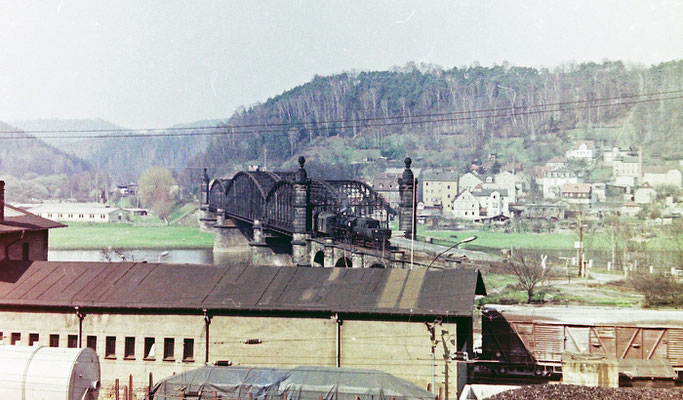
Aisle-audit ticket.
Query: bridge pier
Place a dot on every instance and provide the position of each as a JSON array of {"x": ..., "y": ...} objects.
[
  {"x": 231, "y": 242},
  {"x": 207, "y": 219}
]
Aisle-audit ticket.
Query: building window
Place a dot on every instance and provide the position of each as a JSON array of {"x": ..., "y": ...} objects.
[
  {"x": 32, "y": 338},
  {"x": 188, "y": 350},
  {"x": 16, "y": 338},
  {"x": 102, "y": 216},
  {"x": 169, "y": 344},
  {"x": 149, "y": 348},
  {"x": 110, "y": 347},
  {"x": 92, "y": 216},
  {"x": 71, "y": 215},
  {"x": 129, "y": 348},
  {"x": 54, "y": 340},
  {"x": 72, "y": 341},
  {"x": 91, "y": 341},
  {"x": 80, "y": 215}
]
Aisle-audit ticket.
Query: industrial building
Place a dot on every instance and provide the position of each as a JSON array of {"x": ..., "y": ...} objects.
[{"x": 163, "y": 319}]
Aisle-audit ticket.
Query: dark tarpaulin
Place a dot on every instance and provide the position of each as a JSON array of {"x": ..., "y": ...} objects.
[{"x": 300, "y": 383}]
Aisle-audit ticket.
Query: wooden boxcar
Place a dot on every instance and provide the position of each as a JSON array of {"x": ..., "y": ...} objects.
[{"x": 528, "y": 342}]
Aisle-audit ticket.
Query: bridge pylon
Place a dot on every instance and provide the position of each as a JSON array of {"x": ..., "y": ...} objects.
[{"x": 302, "y": 222}]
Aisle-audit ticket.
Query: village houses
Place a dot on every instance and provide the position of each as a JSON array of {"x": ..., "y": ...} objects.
[
  {"x": 553, "y": 180},
  {"x": 439, "y": 188},
  {"x": 582, "y": 150}
]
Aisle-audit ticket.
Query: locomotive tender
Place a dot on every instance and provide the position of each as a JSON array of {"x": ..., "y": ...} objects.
[{"x": 363, "y": 231}]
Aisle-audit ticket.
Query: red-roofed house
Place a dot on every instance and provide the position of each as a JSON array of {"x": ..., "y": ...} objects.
[{"x": 23, "y": 236}]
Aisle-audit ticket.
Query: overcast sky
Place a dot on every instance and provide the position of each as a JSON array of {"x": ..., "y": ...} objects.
[{"x": 149, "y": 64}]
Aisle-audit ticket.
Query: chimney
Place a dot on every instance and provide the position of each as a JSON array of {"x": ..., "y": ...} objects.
[{"x": 2, "y": 201}]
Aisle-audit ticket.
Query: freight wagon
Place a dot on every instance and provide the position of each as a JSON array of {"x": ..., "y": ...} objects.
[{"x": 525, "y": 344}]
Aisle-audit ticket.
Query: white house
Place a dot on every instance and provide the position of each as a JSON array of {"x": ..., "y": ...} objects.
[
  {"x": 553, "y": 180},
  {"x": 516, "y": 184},
  {"x": 626, "y": 166},
  {"x": 659, "y": 176},
  {"x": 80, "y": 212},
  {"x": 608, "y": 156},
  {"x": 465, "y": 206},
  {"x": 492, "y": 202},
  {"x": 583, "y": 149},
  {"x": 644, "y": 194},
  {"x": 469, "y": 181}
]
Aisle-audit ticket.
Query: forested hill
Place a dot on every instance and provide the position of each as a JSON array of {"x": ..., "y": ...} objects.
[
  {"x": 22, "y": 154},
  {"x": 124, "y": 159},
  {"x": 337, "y": 113}
]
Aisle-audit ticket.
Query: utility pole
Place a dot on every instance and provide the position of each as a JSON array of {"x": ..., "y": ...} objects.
[{"x": 581, "y": 250}]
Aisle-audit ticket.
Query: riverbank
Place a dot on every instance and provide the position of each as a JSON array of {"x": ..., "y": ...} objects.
[{"x": 99, "y": 236}]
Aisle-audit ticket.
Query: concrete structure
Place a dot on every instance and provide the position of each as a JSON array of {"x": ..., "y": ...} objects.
[
  {"x": 582, "y": 150},
  {"x": 644, "y": 194},
  {"x": 590, "y": 370},
  {"x": 553, "y": 180},
  {"x": 23, "y": 236},
  {"x": 163, "y": 319},
  {"x": 577, "y": 193},
  {"x": 661, "y": 176},
  {"x": 80, "y": 212}
]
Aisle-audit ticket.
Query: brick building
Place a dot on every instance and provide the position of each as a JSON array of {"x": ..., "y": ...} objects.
[{"x": 23, "y": 235}]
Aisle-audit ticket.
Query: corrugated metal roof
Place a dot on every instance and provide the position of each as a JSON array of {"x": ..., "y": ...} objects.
[
  {"x": 253, "y": 288},
  {"x": 17, "y": 220}
]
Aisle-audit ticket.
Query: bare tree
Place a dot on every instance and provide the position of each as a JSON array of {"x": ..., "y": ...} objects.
[{"x": 531, "y": 269}]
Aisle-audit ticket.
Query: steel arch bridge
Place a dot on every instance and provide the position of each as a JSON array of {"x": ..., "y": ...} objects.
[{"x": 268, "y": 197}]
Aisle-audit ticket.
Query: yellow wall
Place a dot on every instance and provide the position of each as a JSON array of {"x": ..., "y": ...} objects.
[{"x": 400, "y": 348}]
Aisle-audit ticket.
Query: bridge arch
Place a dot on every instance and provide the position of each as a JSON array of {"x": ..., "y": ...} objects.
[
  {"x": 217, "y": 188},
  {"x": 319, "y": 258},
  {"x": 279, "y": 209},
  {"x": 343, "y": 262}
]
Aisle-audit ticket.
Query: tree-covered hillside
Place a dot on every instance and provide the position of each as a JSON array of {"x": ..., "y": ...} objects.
[
  {"x": 22, "y": 154},
  {"x": 449, "y": 117}
]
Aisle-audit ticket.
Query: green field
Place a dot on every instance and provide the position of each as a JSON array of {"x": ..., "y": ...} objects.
[
  {"x": 98, "y": 236},
  {"x": 546, "y": 241}
]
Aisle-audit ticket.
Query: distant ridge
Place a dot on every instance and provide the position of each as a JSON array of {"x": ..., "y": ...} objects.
[{"x": 19, "y": 157}]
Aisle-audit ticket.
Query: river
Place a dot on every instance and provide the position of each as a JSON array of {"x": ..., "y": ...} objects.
[{"x": 174, "y": 256}]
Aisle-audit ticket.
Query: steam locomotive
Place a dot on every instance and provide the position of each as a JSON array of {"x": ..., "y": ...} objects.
[{"x": 352, "y": 229}]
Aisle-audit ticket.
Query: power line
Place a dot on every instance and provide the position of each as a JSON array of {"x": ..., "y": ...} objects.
[{"x": 225, "y": 130}]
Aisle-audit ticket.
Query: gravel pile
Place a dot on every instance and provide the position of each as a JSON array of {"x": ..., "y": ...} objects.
[{"x": 574, "y": 392}]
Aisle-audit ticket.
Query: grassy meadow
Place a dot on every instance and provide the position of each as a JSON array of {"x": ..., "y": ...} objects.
[{"x": 97, "y": 236}]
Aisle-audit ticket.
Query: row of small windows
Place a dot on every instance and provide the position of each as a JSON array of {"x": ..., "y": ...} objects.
[
  {"x": 60, "y": 215},
  {"x": 129, "y": 346}
]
